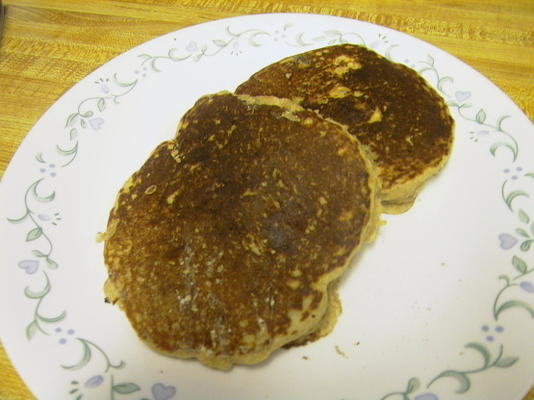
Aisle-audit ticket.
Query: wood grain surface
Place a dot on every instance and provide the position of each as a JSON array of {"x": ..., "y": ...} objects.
[{"x": 48, "y": 45}]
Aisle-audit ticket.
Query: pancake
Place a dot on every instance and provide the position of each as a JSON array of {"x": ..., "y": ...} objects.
[
  {"x": 223, "y": 245},
  {"x": 401, "y": 121}
]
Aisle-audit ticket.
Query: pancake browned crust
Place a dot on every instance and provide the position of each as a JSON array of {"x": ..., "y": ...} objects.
[
  {"x": 402, "y": 122},
  {"x": 222, "y": 246}
]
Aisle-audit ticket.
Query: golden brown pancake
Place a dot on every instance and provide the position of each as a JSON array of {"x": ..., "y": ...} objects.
[
  {"x": 222, "y": 246},
  {"x": 401, "y": 121}
]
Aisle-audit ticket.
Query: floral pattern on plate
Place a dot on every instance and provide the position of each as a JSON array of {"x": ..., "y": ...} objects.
[{"x": 38, "y": 215}]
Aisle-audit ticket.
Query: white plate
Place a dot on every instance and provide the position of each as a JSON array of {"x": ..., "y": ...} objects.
[{"x": 440, "y": 307}]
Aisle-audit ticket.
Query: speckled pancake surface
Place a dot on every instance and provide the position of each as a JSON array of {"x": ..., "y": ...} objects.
[
  {"x": 222, "y": 246},
  {"x": 402, "y": 122}
]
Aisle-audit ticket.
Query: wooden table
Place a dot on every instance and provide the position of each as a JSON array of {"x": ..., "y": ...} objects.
[{"x": 49, "y": 45}]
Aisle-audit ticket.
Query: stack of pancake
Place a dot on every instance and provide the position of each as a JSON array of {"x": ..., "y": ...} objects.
[{"x": 228, "y": 242}]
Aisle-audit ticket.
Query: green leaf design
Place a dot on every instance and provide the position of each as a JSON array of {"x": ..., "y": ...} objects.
[
  {"x": 413, "y": 385},
  {"x": 153, "y": 65},
  {"x": 50, "y": 320},
  {"x": 530, "y": 174},
  {"x": 37, "y": 294},
  {"x": 441, "y": 81},
  {"x": 463, "y": 380},
  {"x": 67, "y": 152},
  {"x": 252, "y": 39},
  {"x": 333, "y": 32},
  {"x": 87, "y": 114},
  {"x": 300, "y": 40},
  {"x": 481, "y": 116},
  {"x": 126, "y": 84},
  {"x": 101, "y": 104},
  {"x": 79, "y": 397},
  {"x": 522, "y": 232},
  {"x": 42, "y": 199},
  {"x": 51, "y": 263},
  {"x": 519, "y": 264},
  {"x": 34, "y": 234},
  {"x": 174, "y": 55},
  {"x": 482, "y": 350},
  {"x": 506, "y": 362},
  {"x": 219, "y": 43},
  {"x": 513, "y": 195},
  {"x": 500, "y": 121},
  {"x": 319, "y": 38},
  {"x": 126, "y": 388},
  {"x": 525, "y": 246},
  {"x": 39, "y": 157},
  {"x": 31, "y": 329},
  {"x": 423, "y": 70},
  {"x": 514, "y": 304},
  {"x": 495, "y": 146},
  {"x": 38, "y": 253},
  {"x": 18, "y": 220},
  {"x": 71, "y": 120},
  {"x": 83, "y": 124},
  {"x": 84, "y": 360},
  {"x": 523, "y": 217}
]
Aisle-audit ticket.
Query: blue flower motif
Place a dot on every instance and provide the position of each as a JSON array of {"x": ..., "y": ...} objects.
[
  {"x": 163, "y": 392},
  {"x": 192, "y": 46},
  {"x": 50, "y": 170},
  {"x": 507, "y": 241},
  {"x": 29, "y": 266},
  {"x": 527, "y": 286},
  {"x": 235, "y": 49},
  {"x": 63, "y": 340},
  {"x": 103, "y": 83},
  {"x": 486, "y": 329},
  {"x": 426, "y": 396},
  {"x": 94, "y": 381},
  {"x": 96, "y": 123},
  {"x": 53, "y": 219}
]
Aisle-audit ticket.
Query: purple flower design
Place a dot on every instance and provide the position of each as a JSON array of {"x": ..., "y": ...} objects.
[
  {"x": 486, "y": 329},
  {"x": 63, "y": 340},
  {"x": 103, "y": 83},
  {"x": 53, "y": 218},
  {"x": 163, "y": 392},
  {"x": 507, "y": 241},
  {"x": 278, "y": 36},
  {"x": 461, "y": 95},
  {"x": 474, "y": 136},
  {"x": 94, "y": 381},
  {"x": 192, "y": 46},
  {"x": 29, "y": 266},
  {"x": 426, "y": 396},
  {"x": 527, "y": 286},
  {"x": 514, "y": 172},
  {"x": 142, "y": 72},
  {"x": 235, "y": 49},
  {"x": 96, "y": 123},
  {"x": 51, "y": 170}
]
